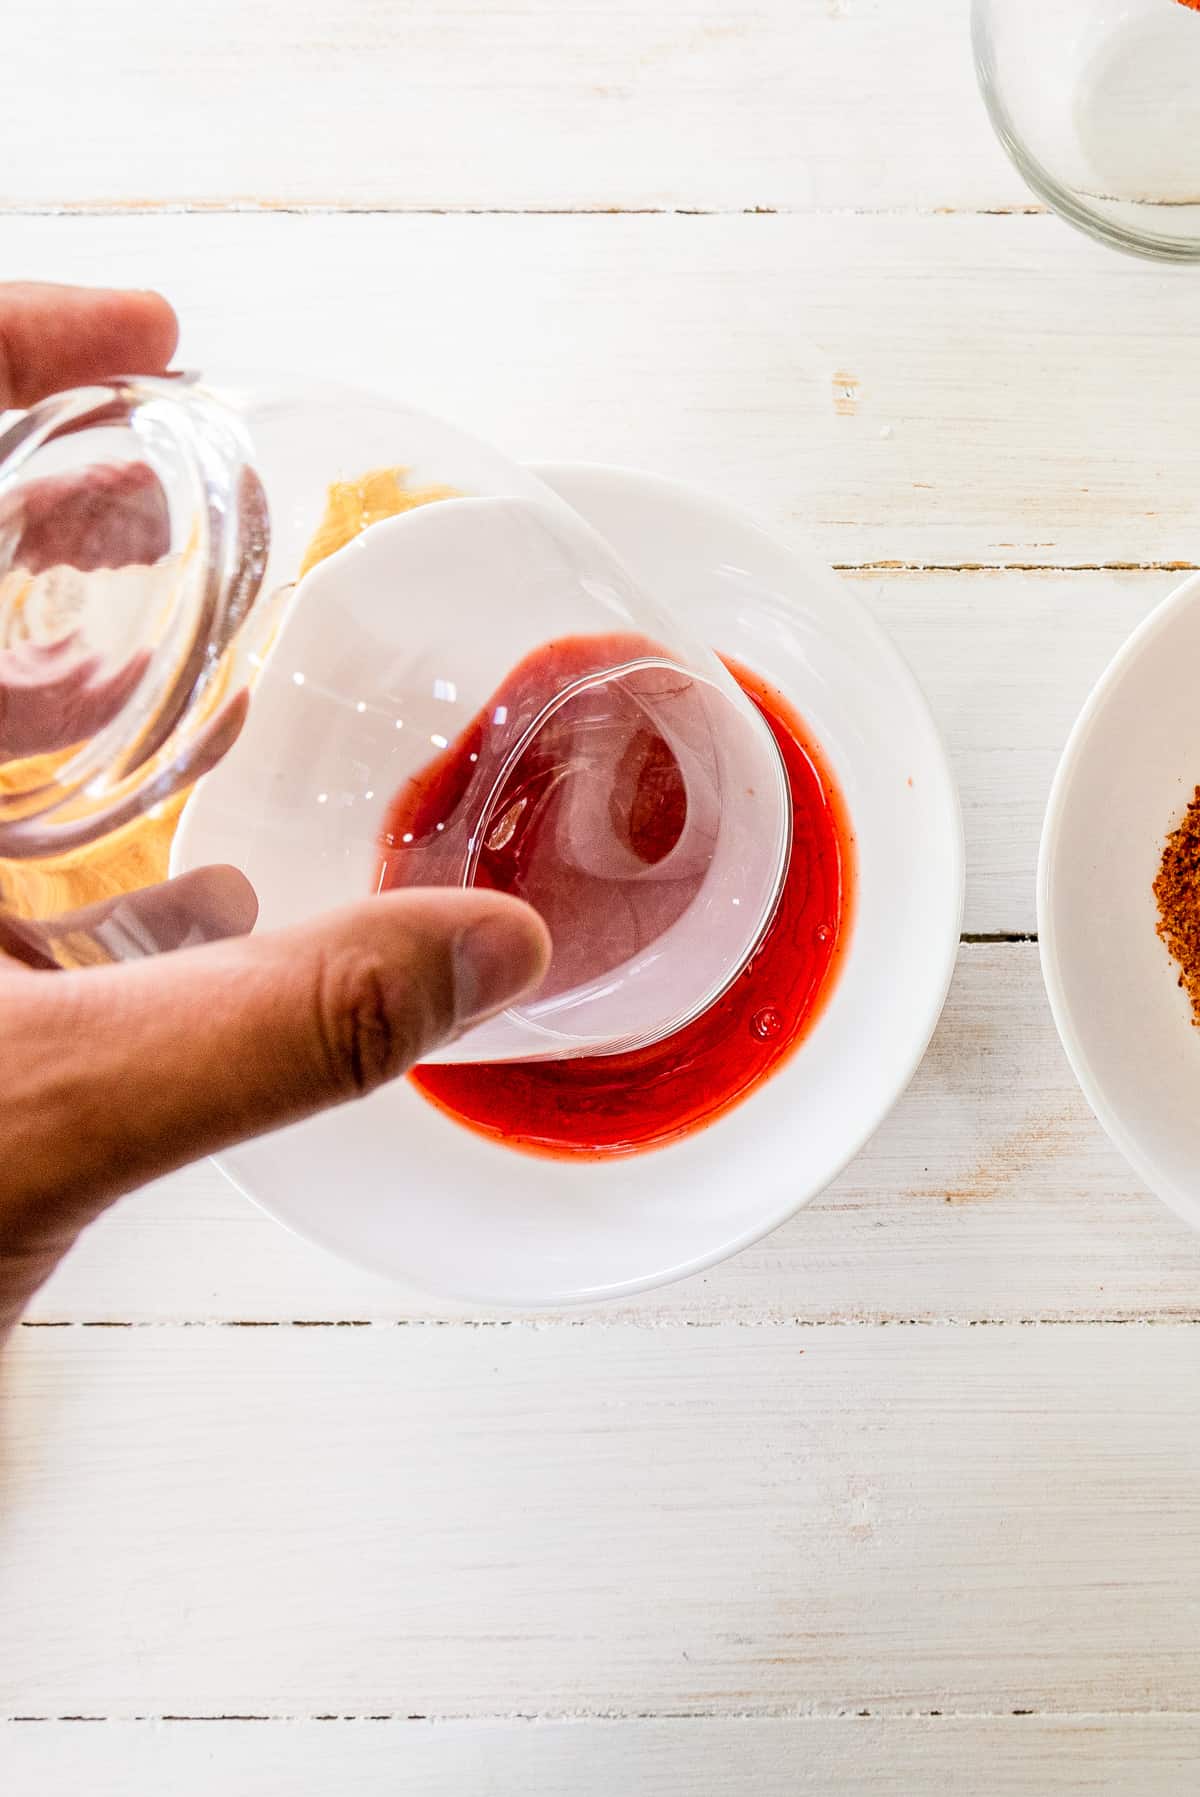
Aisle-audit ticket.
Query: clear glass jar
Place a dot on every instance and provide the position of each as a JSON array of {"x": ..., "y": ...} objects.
[
  {"x": 1098, "y": 104},
  {"x": 389, "y": 657}
]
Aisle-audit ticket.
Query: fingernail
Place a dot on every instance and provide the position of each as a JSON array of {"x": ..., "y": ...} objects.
[{"x": 495, "y": 961}]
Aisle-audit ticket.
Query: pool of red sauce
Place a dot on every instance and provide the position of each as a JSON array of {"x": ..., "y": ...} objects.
[{"x": 596, "y": 1108}]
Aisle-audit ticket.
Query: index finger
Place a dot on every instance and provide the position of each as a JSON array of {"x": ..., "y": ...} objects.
[{"x": 55, "y": 337}]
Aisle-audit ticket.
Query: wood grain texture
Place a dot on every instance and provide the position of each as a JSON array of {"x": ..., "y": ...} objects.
[
  {"x": 1000, "y": 414},
  {"x": 844, "y": 1472},
  {"x": 543, "y": 103},
  {"x": 852, "y": 1757},
  {"x": 1006, "y": 661},
  {"x": 451, "y": 1521},
  {"x": 990, "y": 1194}
]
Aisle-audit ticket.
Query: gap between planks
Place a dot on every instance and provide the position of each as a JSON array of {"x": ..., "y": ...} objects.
[
  {"x": 601, "y": 1318},
  {"x": 892, "y": 567},
  {"x": 770, "y": 1714},
  {"x": 327, "y": 209}
]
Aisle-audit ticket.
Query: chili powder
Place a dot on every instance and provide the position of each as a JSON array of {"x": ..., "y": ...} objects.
[{"x": 1177, "y": 890}]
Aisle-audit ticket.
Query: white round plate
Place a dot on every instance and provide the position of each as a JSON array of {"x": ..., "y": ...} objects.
[
  {"x": 395, "y": 1186},
  {"x": 1128, "y": 771}
]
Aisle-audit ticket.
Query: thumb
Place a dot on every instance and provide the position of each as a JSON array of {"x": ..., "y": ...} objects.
[{"x": 129, "y": 1071}]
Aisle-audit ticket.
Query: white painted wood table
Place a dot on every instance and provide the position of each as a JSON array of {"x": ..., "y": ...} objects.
[{"x": 906, "y": 1499}]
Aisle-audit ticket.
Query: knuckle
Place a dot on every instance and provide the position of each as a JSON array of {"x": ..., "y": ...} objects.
[{"x": 366, "y": 1035}]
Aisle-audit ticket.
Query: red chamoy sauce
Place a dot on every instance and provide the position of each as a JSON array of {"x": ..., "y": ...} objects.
[{"x": 595, "y": 1108}]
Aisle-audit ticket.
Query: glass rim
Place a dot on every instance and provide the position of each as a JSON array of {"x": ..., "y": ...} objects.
[
  {"x": 532, "y": 1011},
  {"x": 154, "y": 744}
]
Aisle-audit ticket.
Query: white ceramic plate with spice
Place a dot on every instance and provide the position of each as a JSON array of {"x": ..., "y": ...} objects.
[
  {"x": 394, "y": 1185},
  {"x": 1127, "y": 775}
]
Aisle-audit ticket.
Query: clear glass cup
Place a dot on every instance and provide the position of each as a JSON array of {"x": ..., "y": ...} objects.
[
  {"x": 389, "y": 657},
  {"x": 1098, "y": 104}
]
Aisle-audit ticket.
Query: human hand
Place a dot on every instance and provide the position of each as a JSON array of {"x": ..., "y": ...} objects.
[{"x": 116, "y": 1074}]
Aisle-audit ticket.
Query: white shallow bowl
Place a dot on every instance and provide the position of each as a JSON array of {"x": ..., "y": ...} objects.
[
  {"x": 392, "y": 1185},
  {"x": 1127, "y": 774}
]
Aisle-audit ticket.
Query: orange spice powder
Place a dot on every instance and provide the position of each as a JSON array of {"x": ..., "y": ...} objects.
[{"x": 1177, "y": 892}]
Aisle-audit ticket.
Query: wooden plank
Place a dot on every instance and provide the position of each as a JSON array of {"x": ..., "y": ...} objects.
[
  {"x": 477, "y": 1522},
  {"x": 543, "y": 103},
  {"x": 852, "y": 1757},
  {"x": 1007, "y": 661},
  {"x": 990, "y": 1194},
  {"x": 1012, "y": 398}
]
